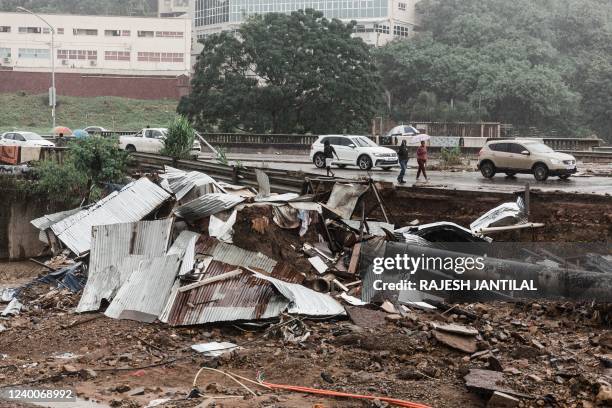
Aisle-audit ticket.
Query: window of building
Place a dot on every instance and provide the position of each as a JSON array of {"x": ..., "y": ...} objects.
[
  {"x": 117, "y": 55},
  {"x": 77, "y": 55},
  {"x": 84, "y": 31},
  {"x": 46, "y": 30},
  {"x": 126, "y": 33},
  {"x": 146, "y": 33},
  {"x": 381, "y": 28},
  {"x": 34, "y": 53},
  {"x": 401, "y": 31},
  {"x": 60, "y": 30},
  {"x": 5, "y": 29},
  {"x": 112, "y": 33},
  {"x": 209, "y": 12},
  {"x": 5, "y": 53},
  {"x": 169, "y": 34},
  {"x": 161, "y": 57},
  {"x": 30, "y": 30},
  {"x": 401, "y": 6}
]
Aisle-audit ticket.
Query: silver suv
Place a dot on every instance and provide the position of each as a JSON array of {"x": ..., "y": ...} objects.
[{"x": 512, "y": 156}]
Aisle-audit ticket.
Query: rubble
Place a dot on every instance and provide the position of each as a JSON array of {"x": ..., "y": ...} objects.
[{"x": 181, "y": 272}]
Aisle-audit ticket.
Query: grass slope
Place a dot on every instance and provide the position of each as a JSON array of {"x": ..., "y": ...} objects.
[{"x": 31, "y": 112}]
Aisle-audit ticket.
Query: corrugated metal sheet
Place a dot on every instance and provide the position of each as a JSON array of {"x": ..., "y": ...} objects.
[
  {"x": 46, "y": 221},
  {"x": 207, "y": 205},
  {"x": 344, "y": 197},
  {"x": 143, "y": 296},
  {"x": 306, "y": 301},
  {"x": 182, "y": 182},
  {"x": 242, "y": 297},
  {"x": 233, "y": 255},
  {"x": 184, "y": 247},
  {"x": 132, "y": 203},
  {"x": 110, "y": 245},
  {"x": 277, "y": 198}
]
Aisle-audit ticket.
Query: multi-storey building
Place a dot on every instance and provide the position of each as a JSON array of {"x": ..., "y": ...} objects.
[
  {"x": 378, "y": 21},
  {"x": 96, "y": 55}
]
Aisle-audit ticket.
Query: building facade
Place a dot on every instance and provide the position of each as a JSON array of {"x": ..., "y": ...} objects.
[
  {"x": 173, "y": 8},
  {"x": 95, "y": 55},
  {"x": 378, "y": 21}
]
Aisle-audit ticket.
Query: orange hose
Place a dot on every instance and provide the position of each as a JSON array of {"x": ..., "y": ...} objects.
[{"x": 400, "y": 403}]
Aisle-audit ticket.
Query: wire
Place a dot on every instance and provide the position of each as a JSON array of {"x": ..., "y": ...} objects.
[{"x": 224, "y": 373}]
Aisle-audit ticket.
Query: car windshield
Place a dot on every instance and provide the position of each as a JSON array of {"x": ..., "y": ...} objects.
[
  {"x": 539, "y": 148},
  {"x": 31, "y": 136},
  {"x": 363, "y": 142}
]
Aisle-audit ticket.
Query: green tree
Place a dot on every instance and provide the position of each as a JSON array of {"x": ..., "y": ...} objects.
[
  {"x": 179, "y": 141},
  {"x": 542, "y": 64},
  {"x": 284, "y": 73}
]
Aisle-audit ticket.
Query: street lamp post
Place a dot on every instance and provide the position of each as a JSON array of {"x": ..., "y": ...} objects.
[{"x": 52, "y": 93}]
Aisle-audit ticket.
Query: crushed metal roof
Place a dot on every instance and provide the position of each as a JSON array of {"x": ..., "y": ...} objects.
[
  {"x": 374, "y": 227},
  {"x": 143, "y": 296},
  {"x": 110, "y": 245},
  {"x": 233, "y": 255},
  {"x": 344, "y": 198},
  {"x": 305, "y": 301},
  {"x": 242, "y": 297},
  {"x": 46, "y": 221},
  {"x": 182, "y": 182},
  {"x": 132, "y": 203},
  {"x": 207, "y": 205}
]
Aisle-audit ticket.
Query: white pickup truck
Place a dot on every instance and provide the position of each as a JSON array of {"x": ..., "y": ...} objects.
[{"x": 150, "y": 140}]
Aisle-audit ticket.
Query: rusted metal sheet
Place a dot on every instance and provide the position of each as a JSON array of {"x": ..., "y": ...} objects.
[
  {"x": 9, "y": 154},
  {"x": 243, "y": 297},
  {"x": 132, "y": 203},
  {"x": 182, "y": 182}
]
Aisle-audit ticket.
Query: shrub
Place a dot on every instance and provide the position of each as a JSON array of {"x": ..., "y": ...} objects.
[
  {"x": 451, "y": 157},
  {"x": 179, "y": 140}
]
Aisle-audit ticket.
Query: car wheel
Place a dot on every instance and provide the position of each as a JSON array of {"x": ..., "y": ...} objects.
[
  {"x": 341, "y": 166},
  {"x": 564, "y": 176},
  {"x": 364, "y": 162},
  {"x": 510, "y": 173},
  {"x": 540, "y": 172},
  {"x": 130, "y": 148},
  {"x": 319, "y": 160},
  {"x": 487, "y": 169}
]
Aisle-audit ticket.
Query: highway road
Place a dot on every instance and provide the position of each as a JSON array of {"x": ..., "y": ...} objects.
[{"x": 460, "y": 180}]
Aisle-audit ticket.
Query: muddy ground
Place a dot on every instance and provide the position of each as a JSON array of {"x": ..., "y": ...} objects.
[{"x": 556, "y": 354}]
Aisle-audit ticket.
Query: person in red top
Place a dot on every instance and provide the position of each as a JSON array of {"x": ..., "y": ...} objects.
[{"x": 421, "y": 160}]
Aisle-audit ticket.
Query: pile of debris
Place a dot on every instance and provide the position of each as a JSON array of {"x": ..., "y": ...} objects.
[{"x": 184, "y": 249}]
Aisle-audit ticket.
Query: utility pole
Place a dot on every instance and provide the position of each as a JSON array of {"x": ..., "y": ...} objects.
[{"x": 52, "y": 93}]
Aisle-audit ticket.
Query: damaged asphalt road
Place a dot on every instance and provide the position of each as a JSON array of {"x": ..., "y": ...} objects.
[{"x": 182, "y": 291}]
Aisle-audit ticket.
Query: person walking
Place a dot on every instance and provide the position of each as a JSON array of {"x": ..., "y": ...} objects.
[
  {"x": 328, "y": 153},
  {"x": 421, "y": 160},
  {"x": 402, "y": 155}
]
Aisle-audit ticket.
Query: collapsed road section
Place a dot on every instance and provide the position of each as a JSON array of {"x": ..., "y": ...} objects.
[{"x": 182, "y": 290}]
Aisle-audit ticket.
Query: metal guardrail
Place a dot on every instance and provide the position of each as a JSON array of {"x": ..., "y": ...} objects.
[
  {"x": 259, "y": 138},
  {"x": 280, "y": 180}
]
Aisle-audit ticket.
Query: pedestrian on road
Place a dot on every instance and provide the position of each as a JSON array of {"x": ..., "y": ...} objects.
[
  {"x": 329, "y": 152},
  {"x": 421, "y": 160},
  {"x": 402, "y": 155}
]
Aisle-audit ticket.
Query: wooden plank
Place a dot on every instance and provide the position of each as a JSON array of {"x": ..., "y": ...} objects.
[{"x": 354, "y": 263}]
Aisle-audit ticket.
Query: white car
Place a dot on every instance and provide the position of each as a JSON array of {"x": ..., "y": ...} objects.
[
  {"x": 150, "y": 140},
  {"x": 28, "y": 139},
  {"x": 353, "y": 150}
]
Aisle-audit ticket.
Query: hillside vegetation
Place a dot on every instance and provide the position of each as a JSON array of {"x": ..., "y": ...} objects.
[
  {"x": 86, "y": 7},
  {"x": 544, "y": 63},
  {"x": 31, "y": 112}
]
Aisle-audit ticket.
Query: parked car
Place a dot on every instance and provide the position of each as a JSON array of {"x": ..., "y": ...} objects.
[
  {"x": 93, "y": 130},
  {"x": 512, "y": 156},
  {"x": 352, "y": 150},
  {"x": 30, "y": 139},
  {"x": 150, "y": 140}
]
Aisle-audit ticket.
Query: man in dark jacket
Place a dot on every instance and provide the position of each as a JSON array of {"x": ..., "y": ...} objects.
[
  {"x": 329, "y": 152},
  {"x": 402, "y": 155}
]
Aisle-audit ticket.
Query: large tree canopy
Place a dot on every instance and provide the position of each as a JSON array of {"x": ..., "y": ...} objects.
[
  {"x": 284, "y": 73},
  {"x": 545, "y": 63}
]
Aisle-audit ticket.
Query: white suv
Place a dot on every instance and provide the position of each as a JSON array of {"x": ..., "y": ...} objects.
[{"x": 352, "y": 150}]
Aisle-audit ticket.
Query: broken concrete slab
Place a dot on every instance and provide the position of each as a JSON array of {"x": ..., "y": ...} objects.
[
  {"x": 365, "y": 317},
  {"x": 457, "y": 342},
  {"x": 501, "y": 400},
  {"x": 455, "y": 329},
  {"x": 487, "y": 382}
]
